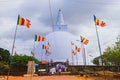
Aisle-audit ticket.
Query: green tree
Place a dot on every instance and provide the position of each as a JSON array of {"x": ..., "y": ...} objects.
[
  {"x": 111, "y": 54},
  {"x": 19, "y": 61},
  {"x": 114, "y": 53},
  {"x": 4, "y": 55},
  {"x": 96, "y": 61}
]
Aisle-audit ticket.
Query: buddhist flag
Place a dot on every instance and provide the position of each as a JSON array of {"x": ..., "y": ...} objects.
[
  {"x": 103, "y": 24},
  {"x": 43, "y": 38},
  {"x": 74, "y": 52},
  {"x": 84, "y": 40},
  {"x": 23, "y": 22},
  {"x": 39, "y": 38},
  {"x": 98, "y": 22},
  {"x": 45, "y": 47},
  {"x": 78, "y": 49}
]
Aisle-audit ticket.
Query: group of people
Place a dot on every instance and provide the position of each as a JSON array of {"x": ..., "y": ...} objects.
[{"x": 58, "y": 68}]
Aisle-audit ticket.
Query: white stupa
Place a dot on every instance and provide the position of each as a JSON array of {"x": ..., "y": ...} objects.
[{"x": 60, "y": 43}]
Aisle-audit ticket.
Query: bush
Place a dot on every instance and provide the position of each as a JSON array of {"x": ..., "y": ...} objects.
[
  {"x": 74, "y": 71},
  {"x": 6, "y": 67}
]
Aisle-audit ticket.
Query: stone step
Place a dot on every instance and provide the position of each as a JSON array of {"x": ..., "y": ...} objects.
[{"x": 27, "y": 75}]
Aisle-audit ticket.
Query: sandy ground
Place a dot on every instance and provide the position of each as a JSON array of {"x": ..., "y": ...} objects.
[
  {"x": 108, "y": 76},
  {"x": 56, "y": 77},
  {"x": 42, "y": 78}
]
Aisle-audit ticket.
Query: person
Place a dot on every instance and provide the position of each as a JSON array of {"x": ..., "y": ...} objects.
[
  {"x": 59, "y": 69},
  {"x": 52, "y": 70}
]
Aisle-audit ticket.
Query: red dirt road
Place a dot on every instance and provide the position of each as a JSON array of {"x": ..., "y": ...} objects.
[
  {"x": 41, "y": 78},
  {"x": 56, "y": 77}
]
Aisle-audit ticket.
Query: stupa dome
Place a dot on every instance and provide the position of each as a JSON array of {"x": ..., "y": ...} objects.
[{"x": 59, "y": 40}]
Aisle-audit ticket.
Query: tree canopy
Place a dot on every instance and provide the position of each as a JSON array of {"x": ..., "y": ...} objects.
[
  {"x": 111, "y": 54},
  {"x": 4, "y": 55},
  {"x": 22, "y": 60}
]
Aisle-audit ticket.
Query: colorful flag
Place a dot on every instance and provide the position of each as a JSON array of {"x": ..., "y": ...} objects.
[
  {"x": 23, "y": 22},
  {"x": 103, "y": 24},
  {"x": 44, "y": 46},
  {"x": 39, "y": 38},
  {"x": 78, "y": 49},
  {"x": 96, "y": 20},
  {"x": 84, "y": 40},
  {"x": 43, "y": 38},
  {"x": 28, "y": 23},
  {"x": 99, "y": 23},
  {"x": 74, "y": 52}
]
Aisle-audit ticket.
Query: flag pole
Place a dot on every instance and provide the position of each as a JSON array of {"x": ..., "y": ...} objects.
[
  {"x": 34, "y": 48},
  {"x": 72, "y": 55},
  {"x": 84, "y": 56},
  {"x": 100, "y": 50},
  {"x": 82, "y": 52},
  {"x": 33, "y": 53},
  {"x": 12, "y": 52},
  {"x": 76, "y": 59},
  {"x": 99, "y": 44}
]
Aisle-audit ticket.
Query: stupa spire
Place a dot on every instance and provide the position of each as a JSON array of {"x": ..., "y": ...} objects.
[
  {"x": 60, "y": 24},
  {"x": 60, "y": 20}
]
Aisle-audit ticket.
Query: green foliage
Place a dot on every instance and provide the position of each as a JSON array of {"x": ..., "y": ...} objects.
[
  {"x": 4, "y": 55},
  {"x": 22, "y": 60},
  {"x": 6, "y": 67},
  {"x": 96, "y": 61},
  {"x": 111, "y": 55}
]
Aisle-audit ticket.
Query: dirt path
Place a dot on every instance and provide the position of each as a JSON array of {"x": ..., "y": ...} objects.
[
  {"x": 57, "y": 77},
  {"x": 42, "y": 78}
]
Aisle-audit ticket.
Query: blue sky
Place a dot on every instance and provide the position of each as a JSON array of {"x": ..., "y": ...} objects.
[{"x": 78, "y": 15}]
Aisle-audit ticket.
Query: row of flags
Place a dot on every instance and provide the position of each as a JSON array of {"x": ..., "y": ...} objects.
[
  {"x": 25, "y": 22},
  {"x": 46, "y": 48},
  {"x": 77, "y": 49},
  {"x": 39, "y": 38}
]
